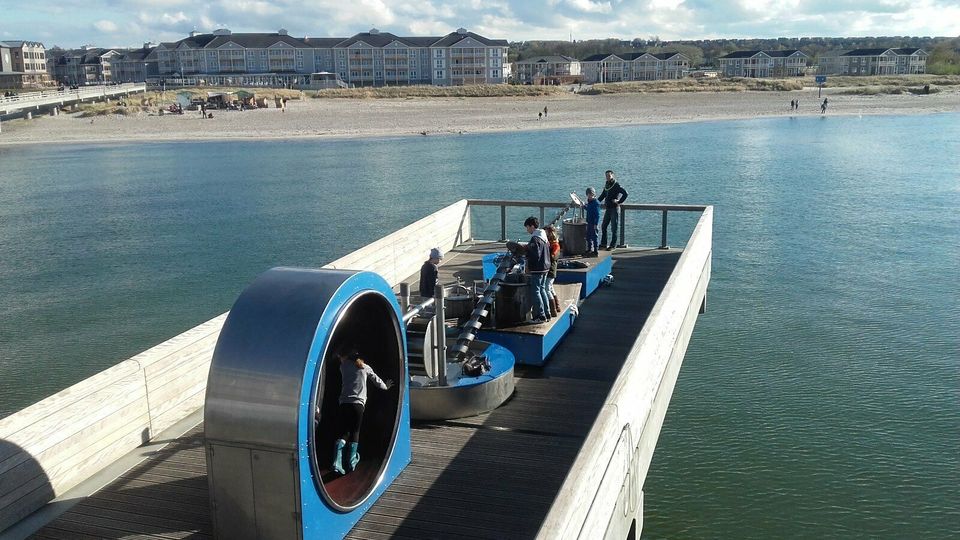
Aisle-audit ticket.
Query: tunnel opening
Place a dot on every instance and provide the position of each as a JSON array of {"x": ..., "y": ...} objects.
[{"x": 368, "y": 325}]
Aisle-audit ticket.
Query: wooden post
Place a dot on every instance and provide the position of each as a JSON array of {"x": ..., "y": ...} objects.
[{"x": 663, "y": 232}]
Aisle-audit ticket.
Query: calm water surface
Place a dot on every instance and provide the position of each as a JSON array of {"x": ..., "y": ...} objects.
[{"x": 820, "y": 396}]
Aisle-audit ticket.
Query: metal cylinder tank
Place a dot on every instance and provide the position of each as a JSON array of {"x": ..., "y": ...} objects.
[
  {"x": 272, "y": 400},
  {"x": 574, "y": 236}
]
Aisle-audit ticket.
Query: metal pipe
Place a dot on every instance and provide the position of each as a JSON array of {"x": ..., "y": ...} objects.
[
  {"x": 663, "y": 232},
  {"x": 440, "y": 341},
  {"x": 503, "y": 223},
  {"x": 404, "y": 297},
  {"x": 623, "y": 227},
  {"x": 418, "y": 309}
]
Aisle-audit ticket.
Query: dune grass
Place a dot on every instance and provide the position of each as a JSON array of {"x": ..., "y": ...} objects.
[
  {"x": 478, "y": 90},
  {"x": 728, "y": 84}
]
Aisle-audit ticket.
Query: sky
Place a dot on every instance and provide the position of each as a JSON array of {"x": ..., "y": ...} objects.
[{"x": 121, "y": 23}]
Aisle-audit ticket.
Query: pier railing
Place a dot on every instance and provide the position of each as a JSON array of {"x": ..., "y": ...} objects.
[
  {"x": 608, "y": 473},
  {"x": 663, "y": 209}
]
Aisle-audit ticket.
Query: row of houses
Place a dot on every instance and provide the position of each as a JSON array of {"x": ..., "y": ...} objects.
[
  {"x": 371, "y": 58},
  {"x": 377, "y": 58},
  {"x": 607, "y": 67}
]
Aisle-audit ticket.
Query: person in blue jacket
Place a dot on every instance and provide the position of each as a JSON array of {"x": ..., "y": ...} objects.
[
  {"x": 355, "y": 374},
  {"x": 593, "y": 221},
  {"x": 537, "y": 266},
  {"x": 612, "y": 196}
]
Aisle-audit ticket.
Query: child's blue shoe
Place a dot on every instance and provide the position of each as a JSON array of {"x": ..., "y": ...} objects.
[
  {"x": 354, "y": 456},
  {"x": 338, "y": 449}
]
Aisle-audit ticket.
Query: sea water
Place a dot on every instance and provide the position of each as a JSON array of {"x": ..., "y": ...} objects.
[{"x": 820, "y": 395}]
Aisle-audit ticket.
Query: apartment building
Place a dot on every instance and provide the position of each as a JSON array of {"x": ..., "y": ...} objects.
[
  {"x": 556, "y": 69},
  {"x": 27, "y": 64},
  {"x": 634, "y": 66},
  {"x": 786, "y": 63},
  {"x": 371, "y": 58},
  {"x": 86, "y": 65},
  {"x": 889, "y": 61}
]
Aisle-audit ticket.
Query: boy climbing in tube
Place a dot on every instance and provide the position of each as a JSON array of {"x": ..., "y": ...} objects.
[{"x": 353, "y": 396}]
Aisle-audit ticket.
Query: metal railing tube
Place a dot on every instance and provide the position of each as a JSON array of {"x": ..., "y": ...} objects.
[
  {"x": 418, "y": 309},
  {"x": 440, "y": 338},
  {"x": 503, "y": 223}
]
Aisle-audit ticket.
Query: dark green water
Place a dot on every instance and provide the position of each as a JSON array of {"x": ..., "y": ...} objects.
[{"x": 820, "y": 396}]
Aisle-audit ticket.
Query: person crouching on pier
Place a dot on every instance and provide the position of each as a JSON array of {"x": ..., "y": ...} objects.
[
  {"x": 429, "y": 272},
  {"x": 593, "y": 222},
  {"x": 353, "y": 397},
  {"x": 554, "y": 242},
  {"x": 537, "y": 266}
]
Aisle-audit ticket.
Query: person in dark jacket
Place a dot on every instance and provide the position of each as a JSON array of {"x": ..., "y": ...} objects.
[
  {"x": 612, "y": 196},
  {"x": 593, "y": 222},
  {"x": 537, "y": 266},
  {"x": 429, "y": 272}
]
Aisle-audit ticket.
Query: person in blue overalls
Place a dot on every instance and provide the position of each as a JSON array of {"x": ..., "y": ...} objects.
[
  {"x": 353, "y": 397},
  {"x": 593, "y": 222}
]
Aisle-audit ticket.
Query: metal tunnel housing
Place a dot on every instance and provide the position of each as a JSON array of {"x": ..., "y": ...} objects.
[{"x": 272, "y": 368}]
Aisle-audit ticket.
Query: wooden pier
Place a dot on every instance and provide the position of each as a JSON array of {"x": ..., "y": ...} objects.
[{"x": 565, "y": 457}]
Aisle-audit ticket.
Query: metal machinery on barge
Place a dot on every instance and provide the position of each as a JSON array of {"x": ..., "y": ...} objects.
[{"x": 274, "y": 381}]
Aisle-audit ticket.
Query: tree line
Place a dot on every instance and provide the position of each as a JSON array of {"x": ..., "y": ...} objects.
[{"x": 944, "y": 51}]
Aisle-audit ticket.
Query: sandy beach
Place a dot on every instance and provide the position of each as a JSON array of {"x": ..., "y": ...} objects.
[{"x": 347, "y": 118}]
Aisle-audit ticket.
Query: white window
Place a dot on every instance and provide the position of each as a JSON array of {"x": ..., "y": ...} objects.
[
  {"x": 439, "y": 74},
  {"x": 439, "y": 63},
  {"x": 439, "y": 53}
]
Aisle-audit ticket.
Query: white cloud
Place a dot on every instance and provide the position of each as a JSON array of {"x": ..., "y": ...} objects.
[
  {"x": 105, "y": 26},
  {"x": 74, "y": 22}
]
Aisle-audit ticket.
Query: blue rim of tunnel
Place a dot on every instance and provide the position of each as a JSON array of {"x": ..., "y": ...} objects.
[{"x": 352, "y": 289}]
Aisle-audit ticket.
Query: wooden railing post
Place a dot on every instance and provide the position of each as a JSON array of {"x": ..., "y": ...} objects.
[{"x": 663, "y": 232}]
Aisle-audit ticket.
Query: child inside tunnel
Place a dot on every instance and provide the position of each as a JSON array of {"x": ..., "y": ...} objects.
[{"x": 355, "y": 374}]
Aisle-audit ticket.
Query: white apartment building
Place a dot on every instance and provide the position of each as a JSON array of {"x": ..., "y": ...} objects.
[
  {"x": 556, "y": 69},
  {"x": 634, "y": 66},
  {"x": 787, "y": 63},
  {"x": 371, "y": 58},
  {"x": 901, "y": 61}
]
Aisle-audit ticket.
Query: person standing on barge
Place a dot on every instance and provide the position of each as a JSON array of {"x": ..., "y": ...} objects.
[
  {"x": 429, "y": 272},
  {"x": 537, "y": 266},
  {"x": 612, "y": 196},
  {"x": 593, "y": 222}
]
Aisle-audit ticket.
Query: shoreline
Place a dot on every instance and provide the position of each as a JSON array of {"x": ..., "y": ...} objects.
[{"x": 350, "y": 119}]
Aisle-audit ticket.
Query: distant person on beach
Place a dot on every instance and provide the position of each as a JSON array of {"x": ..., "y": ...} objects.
[
  {"x": 539, "y": 116},
  {"x": 793, "y": 105},
  {"x": 429, "y": 272},
  {"x": 355, "y": 374},
  {"x": 797, "y": 105},
  {"x": 612, "y": 196},
  {"x": 823, "y": 106},
  {"x": 593, "y": 221},
  {"x": 544, "y": 111}
]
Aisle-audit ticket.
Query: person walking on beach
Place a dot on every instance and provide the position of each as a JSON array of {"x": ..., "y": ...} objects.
[
  {"x": 355, "y": 374},
  {"x": 797, "y": 105},
  {"x": 612, "y": 196},
  {"x": 539, "y": 116},
  {"x": 544, "y": 111},
  {"x": 792, "y": 105},
  {"x": 823, "y": 106}
]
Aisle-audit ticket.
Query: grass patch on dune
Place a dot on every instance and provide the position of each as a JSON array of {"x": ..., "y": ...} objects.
[
  {"x": 478, "y": 90},
  {"x": 904, "y": 81},
  {"x": 88, "y": 110},
  {"x": 696, "y": 85},
  {"x": 888, "y": 90}
]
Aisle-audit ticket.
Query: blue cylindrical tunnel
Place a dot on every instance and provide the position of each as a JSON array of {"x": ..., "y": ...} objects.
[{"x": 274, "y": 366}]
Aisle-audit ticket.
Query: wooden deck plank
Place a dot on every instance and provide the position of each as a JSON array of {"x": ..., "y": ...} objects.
[{"x": 490, "y": 476}]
